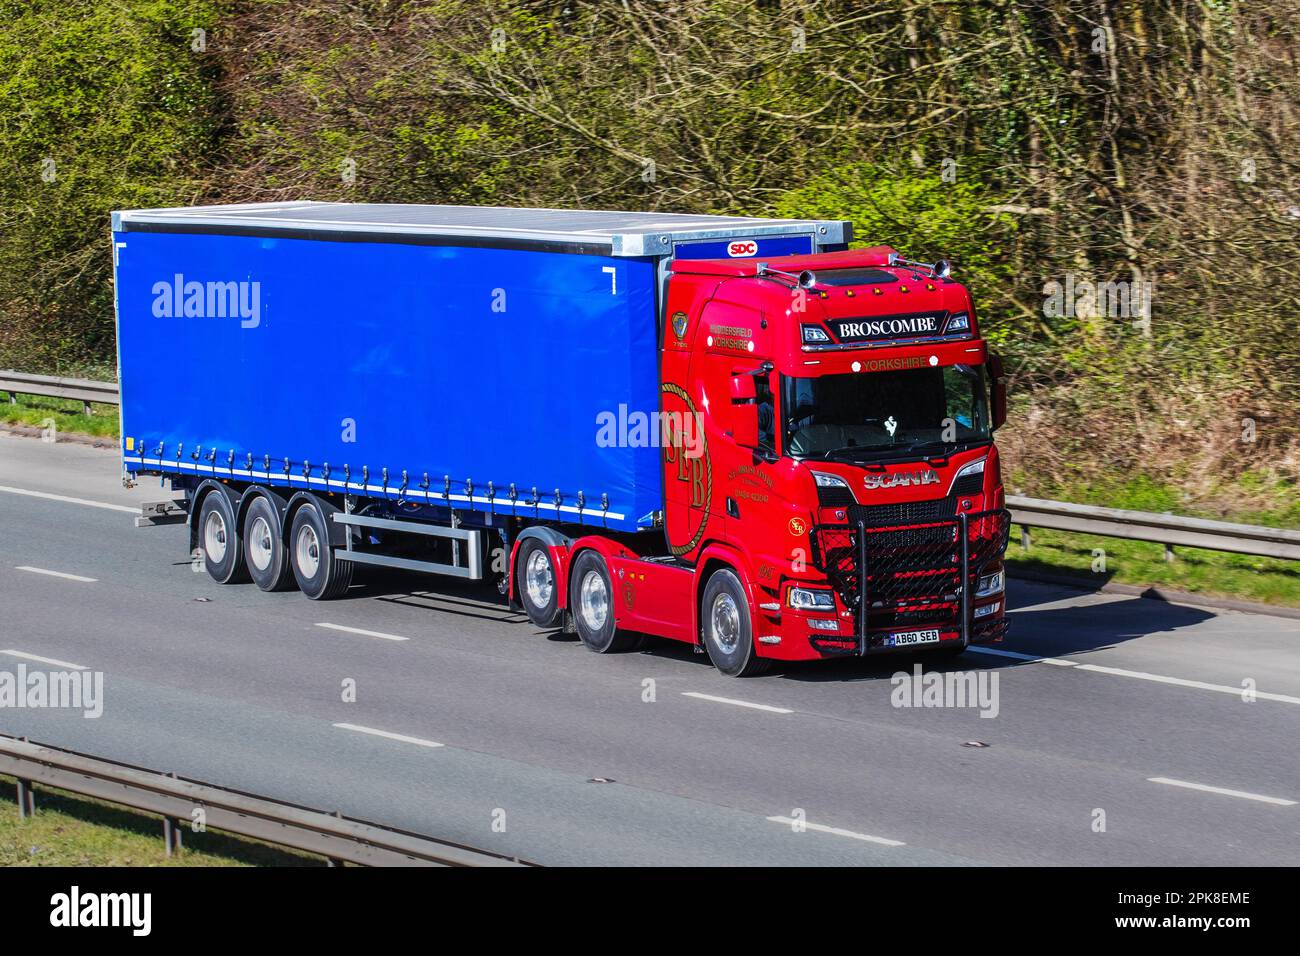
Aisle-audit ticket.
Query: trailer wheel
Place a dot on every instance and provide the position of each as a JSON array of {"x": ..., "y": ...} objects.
[
  {"x": 223, "y": 551},
  {"x": 268, "y": 565},
  {"x": 591, "y": 602},
  {"x": 725, "y": 627},
  {"x": 319, "y": 573},
  {"x": 537, "y": 583}
]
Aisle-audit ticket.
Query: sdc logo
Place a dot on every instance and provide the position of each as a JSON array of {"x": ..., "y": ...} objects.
[{"x": 742, "y": 248}]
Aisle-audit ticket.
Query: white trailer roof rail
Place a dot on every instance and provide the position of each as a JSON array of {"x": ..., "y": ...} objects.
[{"x": 596, "y": 231}]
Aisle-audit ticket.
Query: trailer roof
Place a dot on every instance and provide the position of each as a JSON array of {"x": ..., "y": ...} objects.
[{"x": 570, "y": 230}]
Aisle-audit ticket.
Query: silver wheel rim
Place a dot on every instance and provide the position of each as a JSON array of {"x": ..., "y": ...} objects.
[
  {"x": 538, "y": 580},
  {"x": 307, "y": 551},
  {"x": 214, "y": 537},
  {"x": 260, "y": 544},
  {"x": 593, "y": 600},
  {"x": 725, "y": 623}
]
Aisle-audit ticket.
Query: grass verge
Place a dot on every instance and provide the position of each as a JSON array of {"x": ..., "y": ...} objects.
[
  {"x": 67, "y": 415},
  {"x": 1212, "y": 573},
  {"x": 69, "y": 830}
]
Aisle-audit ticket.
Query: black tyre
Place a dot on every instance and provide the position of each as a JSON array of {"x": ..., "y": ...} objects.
[
  {"x": 219, "y": 540},
  {"x": 319, "y": 573},
  {"x": 591, "y": 602},
  {"x": 725, "y": 628},
  {"x": 537, "y": 583},
  {"x": 264, "y": 552}
]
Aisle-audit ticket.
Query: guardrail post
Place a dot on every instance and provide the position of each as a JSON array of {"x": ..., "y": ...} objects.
[
  {"x": 26, "y": 799},
  {"x": 1169, "y": 554},
  {"x": 172, "y": 835},
  {"x": 1024, "y": 538},
  {"x": 329, "y": 860}
]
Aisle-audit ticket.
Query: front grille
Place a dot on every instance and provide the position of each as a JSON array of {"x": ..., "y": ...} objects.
[
  {"x": 913, "y": 574},
  {"x": 967, "y": 486},
  {"x": 905, "y": 512}
]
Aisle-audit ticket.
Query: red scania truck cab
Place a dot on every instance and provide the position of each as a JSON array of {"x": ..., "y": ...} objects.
[{"x": 832, "y": 487}]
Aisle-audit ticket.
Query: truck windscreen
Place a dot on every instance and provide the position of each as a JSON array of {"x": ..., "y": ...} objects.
[{"x": 864, "y": 415}]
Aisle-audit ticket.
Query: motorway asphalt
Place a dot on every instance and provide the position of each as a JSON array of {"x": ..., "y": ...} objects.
[{"x": 1109, "y": 708}]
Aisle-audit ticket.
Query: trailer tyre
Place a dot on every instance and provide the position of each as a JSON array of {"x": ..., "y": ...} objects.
[
  {"x": 223, "y": 550},
  {"x": 319, "y": 573},
  {"x": 264, "y": 553},
  {"x": 591, "y": 602},
  {"x": 537, "y": 583},
  {"x": 725, "y": 627}
]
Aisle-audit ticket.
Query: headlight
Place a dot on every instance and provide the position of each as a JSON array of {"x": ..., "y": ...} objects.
[
  {"x": 974, "y": 468},
  {"x": 828, "y": 481},
  {"x": 960, "y": 322},
  {"x": 806, "y": 599},
  {"x": 990, "y": 584}
]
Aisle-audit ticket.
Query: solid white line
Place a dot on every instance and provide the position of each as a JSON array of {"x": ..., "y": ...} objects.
[
  {"x": 1200, "y": 685},
  {"x": 45, "y": 660},
  {"x": 1278, "y": 801},
  {"x": 738, "y": 703},
  {"x": 365, "y": 633},
  {"x": 836, "y": 831},
  {"x": 1016, "y": 655},
  {"x": 1137, "y": 675},
  {"x": 56, "y": 574},
  {"x": 72, "y": 501},
  {"x": 389, "y": 735}
]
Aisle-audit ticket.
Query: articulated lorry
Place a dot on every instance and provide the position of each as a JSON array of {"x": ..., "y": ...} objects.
[{"x": 737, "y": 433}]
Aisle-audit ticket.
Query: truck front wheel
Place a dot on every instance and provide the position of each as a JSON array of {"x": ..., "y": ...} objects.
[
  {"x": 725, "y": 626},
  {"x": 591, "y": 602},
  {"x": 223, "y": 552},
  {"x": 319, "y": 573}
]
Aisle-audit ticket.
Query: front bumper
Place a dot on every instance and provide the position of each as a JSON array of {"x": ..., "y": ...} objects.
[{"x": 917, "y": 577}]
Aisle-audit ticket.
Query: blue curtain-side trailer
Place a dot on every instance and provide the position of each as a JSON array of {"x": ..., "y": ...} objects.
[{"x": 421, "y": 387}]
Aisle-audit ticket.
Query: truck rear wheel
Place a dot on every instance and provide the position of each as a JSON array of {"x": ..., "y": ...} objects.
[
  {"x": 725, "y": 627},
  {"x": 537, "y": 583},
  {"x": 319, "y": 573},
  {"x": 591, "y": 602},
  {"x": 223, "y": 551},
  {"x": 268, "y": 565}
]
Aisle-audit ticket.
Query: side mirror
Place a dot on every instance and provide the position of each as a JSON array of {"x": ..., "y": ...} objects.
[
  {"x": 744, "y": 410},
  {"x": 998, "y": 387}
]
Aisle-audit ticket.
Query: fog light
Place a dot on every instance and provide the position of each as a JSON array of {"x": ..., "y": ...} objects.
[{"x": 987, "y": 609}]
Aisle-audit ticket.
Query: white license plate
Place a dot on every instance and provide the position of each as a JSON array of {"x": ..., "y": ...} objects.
[{"x": 909, "y": 638}]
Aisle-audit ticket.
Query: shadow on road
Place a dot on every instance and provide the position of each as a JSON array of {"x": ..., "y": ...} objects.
[
  {"x": 1042, "y": 623},
  {"x": 1047, "y": 631}
]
